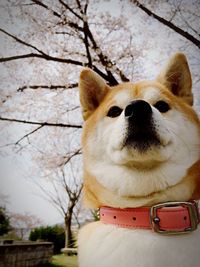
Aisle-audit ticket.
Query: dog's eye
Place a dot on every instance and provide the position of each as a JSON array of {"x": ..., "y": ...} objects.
[
  {"x": 114, "y": 112},
  {"x": 162, "y": 106}
]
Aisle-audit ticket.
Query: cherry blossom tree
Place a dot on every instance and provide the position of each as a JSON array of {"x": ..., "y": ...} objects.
[{"x": 24, "y": 223}]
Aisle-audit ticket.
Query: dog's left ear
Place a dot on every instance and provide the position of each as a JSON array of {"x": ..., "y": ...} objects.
[
  {"x": 176, "y": 77},
  {"x": 92, "y": 89}
]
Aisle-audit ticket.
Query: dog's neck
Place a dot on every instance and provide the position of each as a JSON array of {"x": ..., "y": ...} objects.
[
  {"x": 131, "y": 182},
  {"x": 95, "y": 195}
]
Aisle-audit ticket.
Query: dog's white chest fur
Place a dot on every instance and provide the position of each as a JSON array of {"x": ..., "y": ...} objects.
[{"x": 110, "y": 246}]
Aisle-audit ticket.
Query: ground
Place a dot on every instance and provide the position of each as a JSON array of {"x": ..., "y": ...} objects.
[{"x": 63, "y": 261}]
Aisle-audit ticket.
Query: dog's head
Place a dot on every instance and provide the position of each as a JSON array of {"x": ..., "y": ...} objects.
[{"x": 141, "y": 142}]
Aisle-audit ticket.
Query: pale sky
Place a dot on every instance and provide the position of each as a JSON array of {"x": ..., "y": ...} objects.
[{"x": 23, "y": 194}]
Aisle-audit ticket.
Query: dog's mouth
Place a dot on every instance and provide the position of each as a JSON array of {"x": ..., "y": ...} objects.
[{"x": 142, "y": 140}]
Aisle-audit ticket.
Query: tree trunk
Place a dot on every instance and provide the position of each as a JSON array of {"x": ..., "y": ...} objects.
[{"x": 69, "y": 242}]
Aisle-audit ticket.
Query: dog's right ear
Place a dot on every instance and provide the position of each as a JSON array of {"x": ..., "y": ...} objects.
[
  {"x": 176, "y": 77},
  {"x": 93, "y": 89}
]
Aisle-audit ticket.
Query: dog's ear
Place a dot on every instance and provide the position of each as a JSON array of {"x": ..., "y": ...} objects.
[
  {"x": 93, "y": 89},
  {"x": 176, "y": 77}
]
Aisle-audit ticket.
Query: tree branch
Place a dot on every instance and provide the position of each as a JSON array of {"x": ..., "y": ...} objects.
[
  {"x": 50, "y": 87},
  {"x": 79, "y": 6},
  {"x": 70, "y": 23},
  {"x": 107, "y": 63},
  {"x": 40, "y": 55},
  {"x": 5, "y": 59},
  {"x": 28, "y": 134},
  {"x": 168, "y": 24},
  {"x": 49, "y": 124},
  {"x": 39, "y": 3},
  {"x": 73, "y": 154},
  {"x": 61, "y": 60},
  {"x": 43, "y": 56},
  {"x": 189, "y": 26},
  {"x": 51, "y": 198},
  {"x": 66, "y": 186},
  {"x": 86, "y": 43},
  {"x": 70, "y": 9},
  {"x": 103, "y": 59},
  {"x": 88, "y": 35},
  {"x": 21, "y": 41}
]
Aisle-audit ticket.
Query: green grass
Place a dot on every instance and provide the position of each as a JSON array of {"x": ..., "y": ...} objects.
[{"x": 62, "y": 261}]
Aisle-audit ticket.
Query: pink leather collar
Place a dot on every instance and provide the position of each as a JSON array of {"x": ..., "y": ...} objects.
[{"x": 168, "y": 217}]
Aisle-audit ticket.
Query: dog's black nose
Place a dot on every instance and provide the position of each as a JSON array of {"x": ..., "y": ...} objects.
[
  {"x": 138, "y": 110},
  {"x": 141, "y": 130}
]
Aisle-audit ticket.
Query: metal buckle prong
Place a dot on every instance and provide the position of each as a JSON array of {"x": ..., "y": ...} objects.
[{"x": 193, "y": 212}]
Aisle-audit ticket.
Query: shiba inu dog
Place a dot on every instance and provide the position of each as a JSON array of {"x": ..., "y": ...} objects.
[{"x": 141, "y": 153}]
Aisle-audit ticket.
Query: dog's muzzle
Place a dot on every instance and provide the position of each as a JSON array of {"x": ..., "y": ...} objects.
[{"x": 141, "y": 132}]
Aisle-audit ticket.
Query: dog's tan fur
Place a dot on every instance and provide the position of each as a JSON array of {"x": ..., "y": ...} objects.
[{"x": 95, "y": 194}]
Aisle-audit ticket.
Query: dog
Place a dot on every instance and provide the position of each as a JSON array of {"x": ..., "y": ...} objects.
[{"x": 141, "y": 159}]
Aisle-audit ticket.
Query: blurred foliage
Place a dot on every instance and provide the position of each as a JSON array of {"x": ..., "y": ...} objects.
[
  {"x": 55, "y": 234},
  {"x": 95, "y": 215},
  {"x": 5, "y": 226}
]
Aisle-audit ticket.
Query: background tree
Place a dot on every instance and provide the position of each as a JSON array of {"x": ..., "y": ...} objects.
[
  {"x": 66, "y": 25},
  {"x": 64, "y": 193},
  {"x": 5, "y": 226},
  {"x": 22, "y": 224},
  {"x": 55, "y": 234},
  {"x": 44, "y": 45}
]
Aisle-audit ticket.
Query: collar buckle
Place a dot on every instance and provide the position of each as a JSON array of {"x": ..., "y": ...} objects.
[{"x": 192, "y": 207}]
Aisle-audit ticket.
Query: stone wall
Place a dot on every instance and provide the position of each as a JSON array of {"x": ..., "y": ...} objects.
[{"x": 28, "y": 254}]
